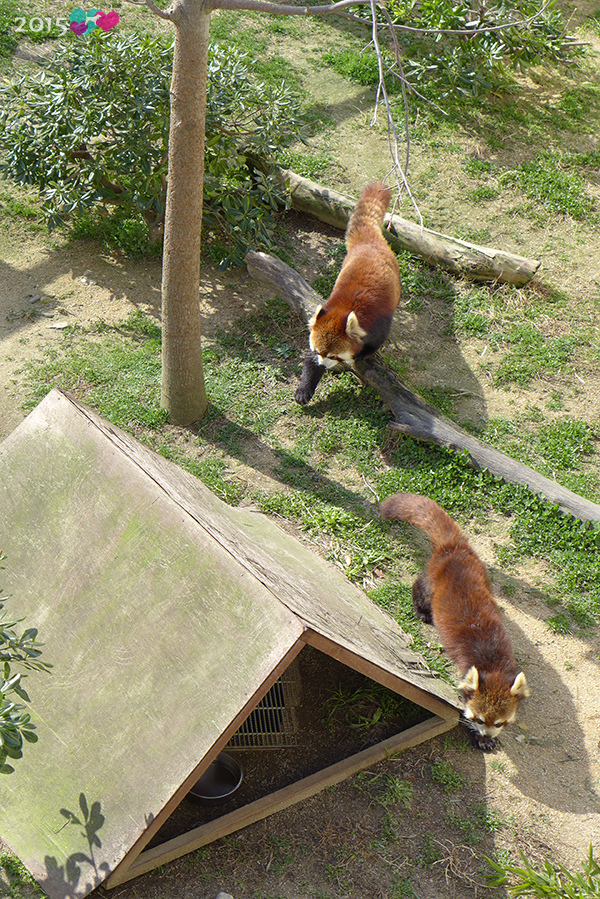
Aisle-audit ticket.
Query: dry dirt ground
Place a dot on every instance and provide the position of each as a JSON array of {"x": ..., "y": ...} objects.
[{"x": 540, "y": 792}]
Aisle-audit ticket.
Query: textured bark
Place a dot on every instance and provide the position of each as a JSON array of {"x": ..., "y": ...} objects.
[
  {"x": 183, "y": 393},
  {"x": 412, "y": 415}
]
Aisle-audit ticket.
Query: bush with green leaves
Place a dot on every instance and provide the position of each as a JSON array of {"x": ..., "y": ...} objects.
[
  {"x": 443, "y": 63},
  {"x": 17, "y": 651},
  {"x": 90, "y": 129}
]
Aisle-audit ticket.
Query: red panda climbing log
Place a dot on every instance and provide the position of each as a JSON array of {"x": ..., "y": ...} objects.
[
  {"x": 357, "y": 317},
  {"x": 453, "y": 593}
]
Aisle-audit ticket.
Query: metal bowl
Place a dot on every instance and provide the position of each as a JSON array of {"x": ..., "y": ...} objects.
[{"x": 219, "y": 782}]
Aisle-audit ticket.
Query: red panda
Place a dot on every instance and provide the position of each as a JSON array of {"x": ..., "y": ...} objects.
[
  {"x": 357, "y": 317},
  {"x": 453, "y": 593}
]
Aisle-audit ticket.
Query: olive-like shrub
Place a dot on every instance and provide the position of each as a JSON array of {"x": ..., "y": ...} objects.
[{"x": 90, "y": 130}]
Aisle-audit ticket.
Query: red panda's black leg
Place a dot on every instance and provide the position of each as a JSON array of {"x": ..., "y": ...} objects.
[
  {"x": 376, "y": 335},
  {"x": 421, "y": 593},
  {"x": 312, "y": 373}
]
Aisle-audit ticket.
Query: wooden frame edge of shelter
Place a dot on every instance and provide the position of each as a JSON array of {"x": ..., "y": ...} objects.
[
  {"x": 149, "y": 859},
  {"x": 172, "y": 595},
  {"x": 140, "y": 860}
]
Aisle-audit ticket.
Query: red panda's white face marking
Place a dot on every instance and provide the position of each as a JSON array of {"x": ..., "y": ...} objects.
[
  {"x": 489, "y": 712},
  {"x": 330, "y": 362},
  {"x": 332, "y": 347}
]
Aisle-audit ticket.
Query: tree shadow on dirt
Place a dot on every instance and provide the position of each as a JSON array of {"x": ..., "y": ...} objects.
[
  {"x": 547, "y": 746},
  {"x": 29, "y": 292}
]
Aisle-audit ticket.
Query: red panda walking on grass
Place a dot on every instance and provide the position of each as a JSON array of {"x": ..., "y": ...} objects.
[
  {"x": 454, "y": 594},
  {"x": 357, "y": 317}
]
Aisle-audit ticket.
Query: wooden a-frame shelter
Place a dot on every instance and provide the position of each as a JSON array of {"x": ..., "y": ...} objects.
[{"x": 167, "y": 616}]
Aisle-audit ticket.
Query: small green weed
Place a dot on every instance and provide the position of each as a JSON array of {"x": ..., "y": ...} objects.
[
  {"x": 402, "y": 888},
  {"x": 484, "y": 192},
  {"x": 559, "y": 624},
  {"x": 397, "y": 792},
  {"x": 465, "y": 825},
  {"x": 429, "y": 852},
  {"x": 444, "y": 774},
  {"x": 477, "y": 167},
  {"x": 363, "y": 707},
  {"x": 476, "y": 822},
  {"x": 550, "y": 881}
]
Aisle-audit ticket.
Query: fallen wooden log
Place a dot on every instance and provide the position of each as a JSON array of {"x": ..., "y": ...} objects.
[
  {"x": 412, "y": 415},
  {"x": 457, "y": 256}
]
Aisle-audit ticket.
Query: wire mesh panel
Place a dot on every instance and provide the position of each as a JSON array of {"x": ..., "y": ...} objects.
[{"x": 272, "y": 724}]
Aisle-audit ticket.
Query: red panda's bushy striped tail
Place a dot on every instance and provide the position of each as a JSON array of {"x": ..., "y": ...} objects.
[
  {"x": 367, "y": 218},
  {"x": 425, "y": 514}
]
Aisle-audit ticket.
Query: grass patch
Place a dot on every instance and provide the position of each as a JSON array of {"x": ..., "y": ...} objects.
[
  {"x": 118, "y": 373},
  {"x": 476, "y": 823},
  {"x": 129, "y": 234},
  {"x": 8, "y": 36},
  {"x": 546, "y": 179},
  {"x": 19, "y": 882},
  {"x": 443, "y": 773},
  {"x": 531, "y": 355},
  {"x": 360, "y": 66}
]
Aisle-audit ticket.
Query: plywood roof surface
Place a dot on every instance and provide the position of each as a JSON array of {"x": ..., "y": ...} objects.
[{"x": 164, "y": 613}]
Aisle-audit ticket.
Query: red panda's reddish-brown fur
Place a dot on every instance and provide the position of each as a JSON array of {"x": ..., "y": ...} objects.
[
  {"x": 356, "y": 318},
  {"x": 454, "y": 594}
]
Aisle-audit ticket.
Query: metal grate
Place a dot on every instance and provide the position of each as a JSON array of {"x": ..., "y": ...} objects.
[{"x": 272, "y": 724}]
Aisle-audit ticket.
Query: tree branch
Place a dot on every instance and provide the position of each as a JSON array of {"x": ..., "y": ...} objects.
[
  {"x": 284, "y": 10},
  {"x": 162, "y": 13}
]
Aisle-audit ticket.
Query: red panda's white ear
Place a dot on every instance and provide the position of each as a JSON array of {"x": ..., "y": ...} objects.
[
  {"x": 470, "y": 682},
  {"x": 312, "y": 321},
  {"x": 353, "y": 329},
  {"x": 520, "y": 688}
]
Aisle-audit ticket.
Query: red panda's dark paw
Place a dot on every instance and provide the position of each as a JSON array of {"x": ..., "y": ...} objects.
[
  {"x": 483, "y": 741},
  {"x": 312, "y": 373},
  {"x": 303, "y": 396}
]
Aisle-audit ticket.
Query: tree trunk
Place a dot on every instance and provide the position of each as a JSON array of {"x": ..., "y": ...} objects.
[
  {"x": 412, "y": 415},
  {"x": 183, "y": 393}
]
